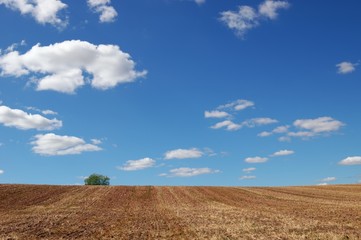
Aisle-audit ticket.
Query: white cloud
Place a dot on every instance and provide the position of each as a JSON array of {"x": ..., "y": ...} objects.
[
  {"x": 229, "y": 125},
  {"x": 247, "y": 17},
  {"x": 103, "y": 7},
  {"x": 248, "y": 170},
  {"x": 49, "y": 112},
  {"x": 43, "y": 11},
  {"x": 247, "y": 177},
  {"x": 302, "y": 134},
  {"x": 282, "y": 153},
  {"x": 96, "y": 141},
  {"x": 264, "y": 134},
  {"x": 356, "y": 160},
  {"x": 328, "y": 179},
  {"x": 318, "y": 125},
  {"x": 280, "y": 129},
  {"x": 199, "y": 2},
  {"x": 284, "y": 139},
  {"x": 1, "y": 171},
  {"x": 62, "y": 66},
  {"x": 216, "y": 114},
  {"x": 269, "y": 8},
  {"x": 53, "y": 145},
  {"x": 24, "y": 121},
  {"x": 346, "y": 67},
  {"x": 183, "y": 154},
  {"x": 134, "y": 165},
  {"x": 322, "y": 184},
  {"x": 45, "y": 112},
  {"x": 258, "y": 122},
  {"x": 237, "y": 105},
  {"x": 188, "y": 172},
  {"x": 256, "y": 159}
]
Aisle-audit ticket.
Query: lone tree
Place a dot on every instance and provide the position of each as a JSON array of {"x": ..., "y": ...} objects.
[{"x": 96, "y": 179}]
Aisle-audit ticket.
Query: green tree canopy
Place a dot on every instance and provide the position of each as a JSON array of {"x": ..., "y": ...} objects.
[{"x": 97, "y": 179}]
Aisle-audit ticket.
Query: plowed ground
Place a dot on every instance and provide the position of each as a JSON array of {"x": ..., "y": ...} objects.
[{"x": 147, "y": 212}]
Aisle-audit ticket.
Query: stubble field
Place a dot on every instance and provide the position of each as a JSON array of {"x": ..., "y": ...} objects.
[{"x": 149, "y": 212}]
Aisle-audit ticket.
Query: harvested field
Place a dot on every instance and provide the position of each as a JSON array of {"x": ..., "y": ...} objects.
[{"x": 148, "y": 212}]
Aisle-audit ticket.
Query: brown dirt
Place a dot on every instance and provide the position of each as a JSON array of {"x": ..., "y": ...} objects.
[{"x": 148, "y": 212}]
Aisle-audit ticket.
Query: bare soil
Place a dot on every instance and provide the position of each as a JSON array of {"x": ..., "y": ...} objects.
[{"x": 149, "y": 212}]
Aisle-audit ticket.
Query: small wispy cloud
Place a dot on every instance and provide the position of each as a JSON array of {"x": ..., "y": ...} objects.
[
  {"x": 188, "y": 172},
  {"x": 103, "y": 7},
  {"x": 346, "y": 67},
  {"x": 134, "y": 165},
  {"x": 355, "y": 160},
  {"x": 306, "y": 128},
  {"x": 328, "y": 179},
  {"x": 247, "y": 177},
  {"x": 282, "y": 153},
  {"x": 227, "y": 124},
  {"x": 216, "y": 114},
  {"x": 237, "y": 105},
  {"x": 248, "y": 170},
  {"x": 183, "y": 153},
  {"x": 256, "y": 159},
  {"x": 200, "y": 2},
  {"x": 247, "y": 17}
]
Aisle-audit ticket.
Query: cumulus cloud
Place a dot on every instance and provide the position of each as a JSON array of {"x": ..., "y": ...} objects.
[
  {"x": 62, "y": 66},
  {"x": 355, "y": 160},
  {"x": 247, "y": 177},
  {"x": 318, "y": 125},
  {"x": 24, "y": 121},
  {"x": 248, "y": 170},
  {"x": 256, "y": 160},
  {"x": 43, "y": 11},
  {"x": 315, "y": 127},
  {"x": 53, "y": 145},
  {"x": 282, "y": 153},
  {"x": 1, "y": 171},
  {"x": 183, "y": 154},
  {"x": 247, "y": 17},
  {"x": 216, "y": 114},
  {"x": 134, "y": 165},
  {"x": 188, "y": 172},
  {"x": 328, "y": 179},
  {"x": 269, "y": 8},
  {"x": 346, "y": 67},
  {"x": 103, "y": 7}
]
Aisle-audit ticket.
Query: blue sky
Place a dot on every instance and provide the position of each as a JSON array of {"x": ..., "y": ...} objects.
[{"x": 177, "y": 92}]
